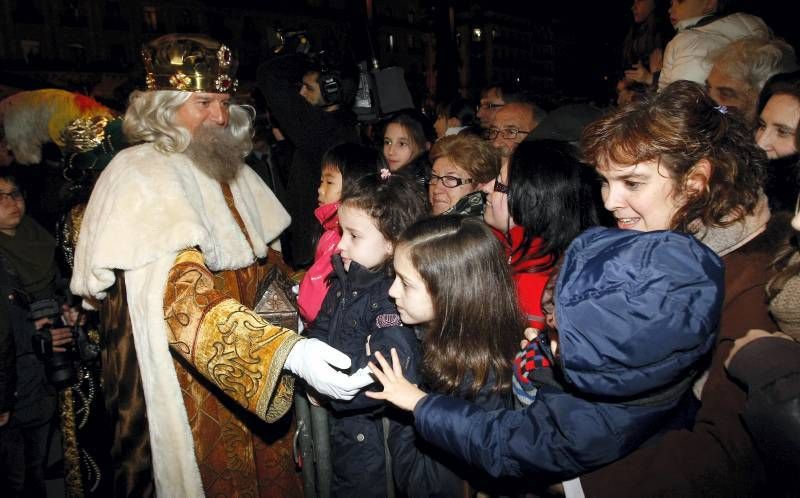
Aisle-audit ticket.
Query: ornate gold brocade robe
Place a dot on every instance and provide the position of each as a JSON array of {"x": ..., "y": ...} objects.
[
  {"x": 224, "y": 350},
  {"x": 175, "y": 260}
]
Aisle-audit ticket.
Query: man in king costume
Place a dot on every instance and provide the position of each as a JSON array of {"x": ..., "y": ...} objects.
[{"x": 172, "y": 246}]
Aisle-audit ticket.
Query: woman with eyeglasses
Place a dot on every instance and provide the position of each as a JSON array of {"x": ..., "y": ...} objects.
[
  {"x": 539, "y": 203},
  {"x": 461, "y": 165}
]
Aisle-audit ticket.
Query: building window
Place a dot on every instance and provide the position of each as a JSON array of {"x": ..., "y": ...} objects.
[
  {"x": 477, "y": 34},
  {"x": 151, "y": 18},
  {"x": 390, "y": 42},
  {"x": 30, "y": 50}
]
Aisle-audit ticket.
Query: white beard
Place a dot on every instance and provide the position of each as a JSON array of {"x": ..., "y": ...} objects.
[{"x": 217, "y": 153}]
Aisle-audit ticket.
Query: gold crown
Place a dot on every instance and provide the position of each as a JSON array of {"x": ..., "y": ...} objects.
[{"x": 191, "y": 63}]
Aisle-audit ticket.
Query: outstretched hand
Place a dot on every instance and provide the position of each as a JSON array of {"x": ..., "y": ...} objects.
[
  {"x": 396, "y": 389},
  {"x": 317, "y": 363}
]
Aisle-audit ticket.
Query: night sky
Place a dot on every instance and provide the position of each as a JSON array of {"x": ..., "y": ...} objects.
[{"x": 589, "y": 69}]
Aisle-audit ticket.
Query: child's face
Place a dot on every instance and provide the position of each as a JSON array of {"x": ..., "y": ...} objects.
[
  {"x": 409, "y": 291},
  {"x": 680, "y": 10},
  {"x": 330, "y": 186},
  {"x": 397, "y": 146},
  {"x": 361, "y": 242}
]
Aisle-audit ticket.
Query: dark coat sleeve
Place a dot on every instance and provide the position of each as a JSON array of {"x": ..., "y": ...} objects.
[
  {"x": 320, "y": 328},
  {"x": 770, "y": 368},
  {"x": 716, "y": 457},
  {"x": 7, "y": 351},
  {"x": 420, "y": 469},
  {"x": 383, "y": 337},
  {"x": 7, "y": 360},
  {"x": 557, "y": 436}
]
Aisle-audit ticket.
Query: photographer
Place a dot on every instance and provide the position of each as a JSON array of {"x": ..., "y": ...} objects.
[
  {"x": 314, "y": 118},
  {"x": 27, "y": 279}
]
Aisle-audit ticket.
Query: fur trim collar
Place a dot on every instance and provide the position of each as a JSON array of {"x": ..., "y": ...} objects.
[{"x": 147, "y": 204}]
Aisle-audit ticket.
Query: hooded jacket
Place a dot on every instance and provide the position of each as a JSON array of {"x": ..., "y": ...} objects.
[
  {"x": 314, "y": 285},
  {"x": 686, "y": 55},
  {"x": 617, "y": 292}
]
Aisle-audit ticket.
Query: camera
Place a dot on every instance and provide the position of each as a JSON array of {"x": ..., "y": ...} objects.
[{"x": 61, "y": 367}]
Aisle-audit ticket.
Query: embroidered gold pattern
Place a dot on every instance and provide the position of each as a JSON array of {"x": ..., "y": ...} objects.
[{"x": 225, "y": 341}]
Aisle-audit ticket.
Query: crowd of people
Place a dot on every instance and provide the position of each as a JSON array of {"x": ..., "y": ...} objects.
[{"x": 493, "y": 299}]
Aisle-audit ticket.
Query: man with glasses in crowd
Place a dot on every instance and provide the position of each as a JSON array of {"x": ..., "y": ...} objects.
[
  {"x": 511, "y": 125},
  {"x": 494, "y": 97}
]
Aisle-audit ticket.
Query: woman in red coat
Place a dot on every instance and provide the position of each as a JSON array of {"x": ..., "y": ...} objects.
[{"x": 539, "y": 202}]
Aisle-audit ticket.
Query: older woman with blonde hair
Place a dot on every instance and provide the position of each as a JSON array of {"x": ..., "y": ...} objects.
[{"x": 461, "y": 165}]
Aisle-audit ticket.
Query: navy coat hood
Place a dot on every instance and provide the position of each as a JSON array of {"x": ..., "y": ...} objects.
[{"x": 635, "y": 310}]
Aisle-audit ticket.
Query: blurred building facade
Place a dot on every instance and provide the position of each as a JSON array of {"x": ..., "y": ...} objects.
[{"x": 92, "y": 46}]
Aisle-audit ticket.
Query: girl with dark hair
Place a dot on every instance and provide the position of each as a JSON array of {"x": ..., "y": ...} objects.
[
  {"x": 777, "y": 133},
  {"x": 454, "y": 286},
  {"x": 342, "y": 165},
  {"x": 539, "y": 203},
  {"x": 375, "y": 210},
  {"x": 406, "y": 140}
]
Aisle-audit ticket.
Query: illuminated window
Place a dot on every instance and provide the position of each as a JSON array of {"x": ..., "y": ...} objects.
[
  {"x": 477, "y": 33},
  {"x": 151, "y": 18}
]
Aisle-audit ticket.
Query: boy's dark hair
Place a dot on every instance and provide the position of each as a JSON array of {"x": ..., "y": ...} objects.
[
  {"x": 510, "y": 91},
  {"x": 550, "y": 197},
  {"x": 460, "y": 108},
  {"x": 477, "y": 324},
  {"x": 394, "y": 202},
  {"x": 353, "y": 161},
  {"x": 7, "y": 175}
]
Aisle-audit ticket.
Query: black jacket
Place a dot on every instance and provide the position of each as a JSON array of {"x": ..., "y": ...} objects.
[
  {"x": 422, "y": 470},
  {"x": 770, "y": 369},
  {"x": 8, "y": 362},
  {"x": 35, "y": 400},
  {"x": 356, "y": 307},
  {"x": 312, "y": 130}
]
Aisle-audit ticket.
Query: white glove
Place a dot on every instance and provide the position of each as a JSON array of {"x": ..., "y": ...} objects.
[{"x": 312, "y": 360}]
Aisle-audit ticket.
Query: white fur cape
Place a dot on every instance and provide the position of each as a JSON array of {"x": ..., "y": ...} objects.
[{"x": 145, "y": 208}]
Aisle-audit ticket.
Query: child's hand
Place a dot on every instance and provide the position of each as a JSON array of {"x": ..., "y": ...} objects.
[
  {"x": 530, "y": 334},
  {"x": 396, "y": 389}
]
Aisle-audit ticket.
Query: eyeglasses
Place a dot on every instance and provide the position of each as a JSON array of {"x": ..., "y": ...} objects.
[
  {"x": 500, "y": 187},
  {"x": 487, "y": 106},
  {"x": 447, "y": 180},
  {"x": 14, "y": 195},
  {"x": 491, "y": 133}
]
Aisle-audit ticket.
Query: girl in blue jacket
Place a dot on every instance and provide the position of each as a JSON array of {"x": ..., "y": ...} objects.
[
  {"x": 635, "y": 312},
  {"x": 375, "y": 210}
]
